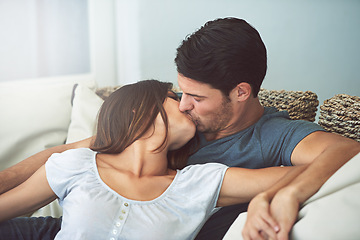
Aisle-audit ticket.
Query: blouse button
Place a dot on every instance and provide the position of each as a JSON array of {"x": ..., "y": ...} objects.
[
  {"x": 118, "y": 224},
  {"x": 112, "y": 238},
  {"x": 121, "y": 218},
  {"x": 114, "y": 231},
  {"x": 126, "y": 204},
  {"x": 123, "y": 211}
]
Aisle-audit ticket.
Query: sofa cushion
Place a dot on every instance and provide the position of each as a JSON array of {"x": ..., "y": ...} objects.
[
  {"x": 86, "y": 104},
  {"x": 35, "y": 115},
  {"x": 332, "y": 212}
]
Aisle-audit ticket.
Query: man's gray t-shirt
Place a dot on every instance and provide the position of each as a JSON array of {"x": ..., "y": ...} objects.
[{"x": 269, "y": 142}]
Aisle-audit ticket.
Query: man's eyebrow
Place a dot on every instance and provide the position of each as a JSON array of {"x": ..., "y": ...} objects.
[{"x": 195, "y": 95}]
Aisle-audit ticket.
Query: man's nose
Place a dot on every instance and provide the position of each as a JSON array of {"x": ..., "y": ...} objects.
[{"x": 185, "y": 104}]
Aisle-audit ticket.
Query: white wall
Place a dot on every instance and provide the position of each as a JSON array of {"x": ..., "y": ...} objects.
[
  {"x": 312, "y": 44},
  {"x": 43, "y": 39},
  {"x": 58, "y": 39}
]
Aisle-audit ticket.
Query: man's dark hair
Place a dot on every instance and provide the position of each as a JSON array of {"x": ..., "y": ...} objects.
[{"x": 224, "y": 53}]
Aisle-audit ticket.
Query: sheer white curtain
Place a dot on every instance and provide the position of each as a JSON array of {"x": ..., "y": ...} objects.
[
  {"x": 42, "y": 38},
  {"x": 128, "y": 37}
]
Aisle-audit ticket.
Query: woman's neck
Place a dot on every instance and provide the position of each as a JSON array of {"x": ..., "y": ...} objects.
[
  {"x": 137, "y": 173},
  {"x": 139, "y": 160}
]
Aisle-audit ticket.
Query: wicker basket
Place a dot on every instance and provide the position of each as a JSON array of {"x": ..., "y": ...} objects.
[
  {"x": 300, "y": 105},
  {"x": 341, "y": 114},
  {"x": 104, "y": 92}
]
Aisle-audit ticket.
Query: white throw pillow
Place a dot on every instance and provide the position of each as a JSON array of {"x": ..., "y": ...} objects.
[
  {"x": 35, "y": 115},
  {"x": 86, "y": 105}
]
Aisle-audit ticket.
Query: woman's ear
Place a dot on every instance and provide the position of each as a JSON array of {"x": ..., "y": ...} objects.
[{"x": 242, "y": 91}]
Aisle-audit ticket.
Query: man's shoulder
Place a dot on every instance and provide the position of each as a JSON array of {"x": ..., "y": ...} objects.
[
  {"x": 271, "y": 113},
  {"x": 274, "y": 121}
]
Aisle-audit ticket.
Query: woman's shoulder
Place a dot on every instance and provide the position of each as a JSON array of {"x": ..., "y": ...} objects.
[
  {"x": 203, "y": 167},
  {"x": 72, "y": 158},
  {"x": 67, "y": 169},
  {"x": 74, "y": 153},
  {"x": 201, "y": 183},
  {"x": 199, "y": 172}
]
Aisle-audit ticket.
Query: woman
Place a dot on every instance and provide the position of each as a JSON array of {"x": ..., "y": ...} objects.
[{"x": 128, "y": 184}]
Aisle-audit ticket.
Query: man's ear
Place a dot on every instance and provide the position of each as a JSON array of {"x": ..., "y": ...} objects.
[{"x": 242, "y": 91}]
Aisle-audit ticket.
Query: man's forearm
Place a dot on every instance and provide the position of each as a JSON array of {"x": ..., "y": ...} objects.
[
  {"x": 286, "y": 202},
  {"x": 321, "y": 169},
  {"x": 295, "y": 188},
  {"x": 17, "y": 174}
]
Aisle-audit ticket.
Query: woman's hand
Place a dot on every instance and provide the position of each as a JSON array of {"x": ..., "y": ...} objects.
[
  {"x": 284, "y": 209},
  {"x": 259, "y": 223}
]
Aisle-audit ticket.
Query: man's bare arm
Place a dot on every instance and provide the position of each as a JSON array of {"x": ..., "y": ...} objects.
[
  {"x": 318, "y": 143},
  {"x": 308, "y": 183},
  {"x": 326, "y": 153},
  {"x": 17, "y": 174},
  {"x": 329, "y": 151}
]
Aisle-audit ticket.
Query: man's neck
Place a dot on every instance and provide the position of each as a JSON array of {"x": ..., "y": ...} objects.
[{"x": 244, "y": 118}]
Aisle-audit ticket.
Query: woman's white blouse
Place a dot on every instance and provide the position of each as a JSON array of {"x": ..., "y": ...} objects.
[{"x": 92, "y": 210}]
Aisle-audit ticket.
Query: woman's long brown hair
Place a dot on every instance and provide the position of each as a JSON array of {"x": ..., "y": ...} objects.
[{"x": 128, "y": 113}]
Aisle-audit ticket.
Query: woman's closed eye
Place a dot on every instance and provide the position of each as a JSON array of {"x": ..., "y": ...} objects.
[{"x": 173, "y": 95}]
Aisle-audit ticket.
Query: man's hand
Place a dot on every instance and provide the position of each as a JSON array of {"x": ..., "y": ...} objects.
[
  {"x": 259, "y": 223},
  {"x": 263, "y": 219},
  {"x": 271, "y": 221}
]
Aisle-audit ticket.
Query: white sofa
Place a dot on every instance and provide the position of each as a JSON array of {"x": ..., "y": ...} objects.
[{"x": 39, "y": 114}]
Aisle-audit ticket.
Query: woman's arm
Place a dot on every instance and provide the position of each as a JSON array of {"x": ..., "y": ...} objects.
[
  {"x": 240, "y": 185},
  {"x": 31, "y": 195},
  {"x": 15, "y": 175}
]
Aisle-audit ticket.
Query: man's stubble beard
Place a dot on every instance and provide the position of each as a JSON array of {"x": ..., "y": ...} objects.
[{"x": 217, "y": 121}]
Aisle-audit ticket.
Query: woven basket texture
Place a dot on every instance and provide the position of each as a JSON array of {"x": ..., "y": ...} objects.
[
  {"x": 104, "y": 92},
  {"x": 341, "y": 114},
  {"x": 300, "y": 105}
]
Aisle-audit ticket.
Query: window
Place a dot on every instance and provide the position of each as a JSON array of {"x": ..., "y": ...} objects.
[{"x": 44, "y": 39}]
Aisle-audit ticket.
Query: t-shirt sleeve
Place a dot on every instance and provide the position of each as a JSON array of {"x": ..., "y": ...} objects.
[
  {"x": 64, "y": 169},
  {"x": 280, "y": 137},
  {"x": 202, "y": 184}
]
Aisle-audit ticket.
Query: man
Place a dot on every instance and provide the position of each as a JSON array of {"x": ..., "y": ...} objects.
[{"x": 221, "y": 67}]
